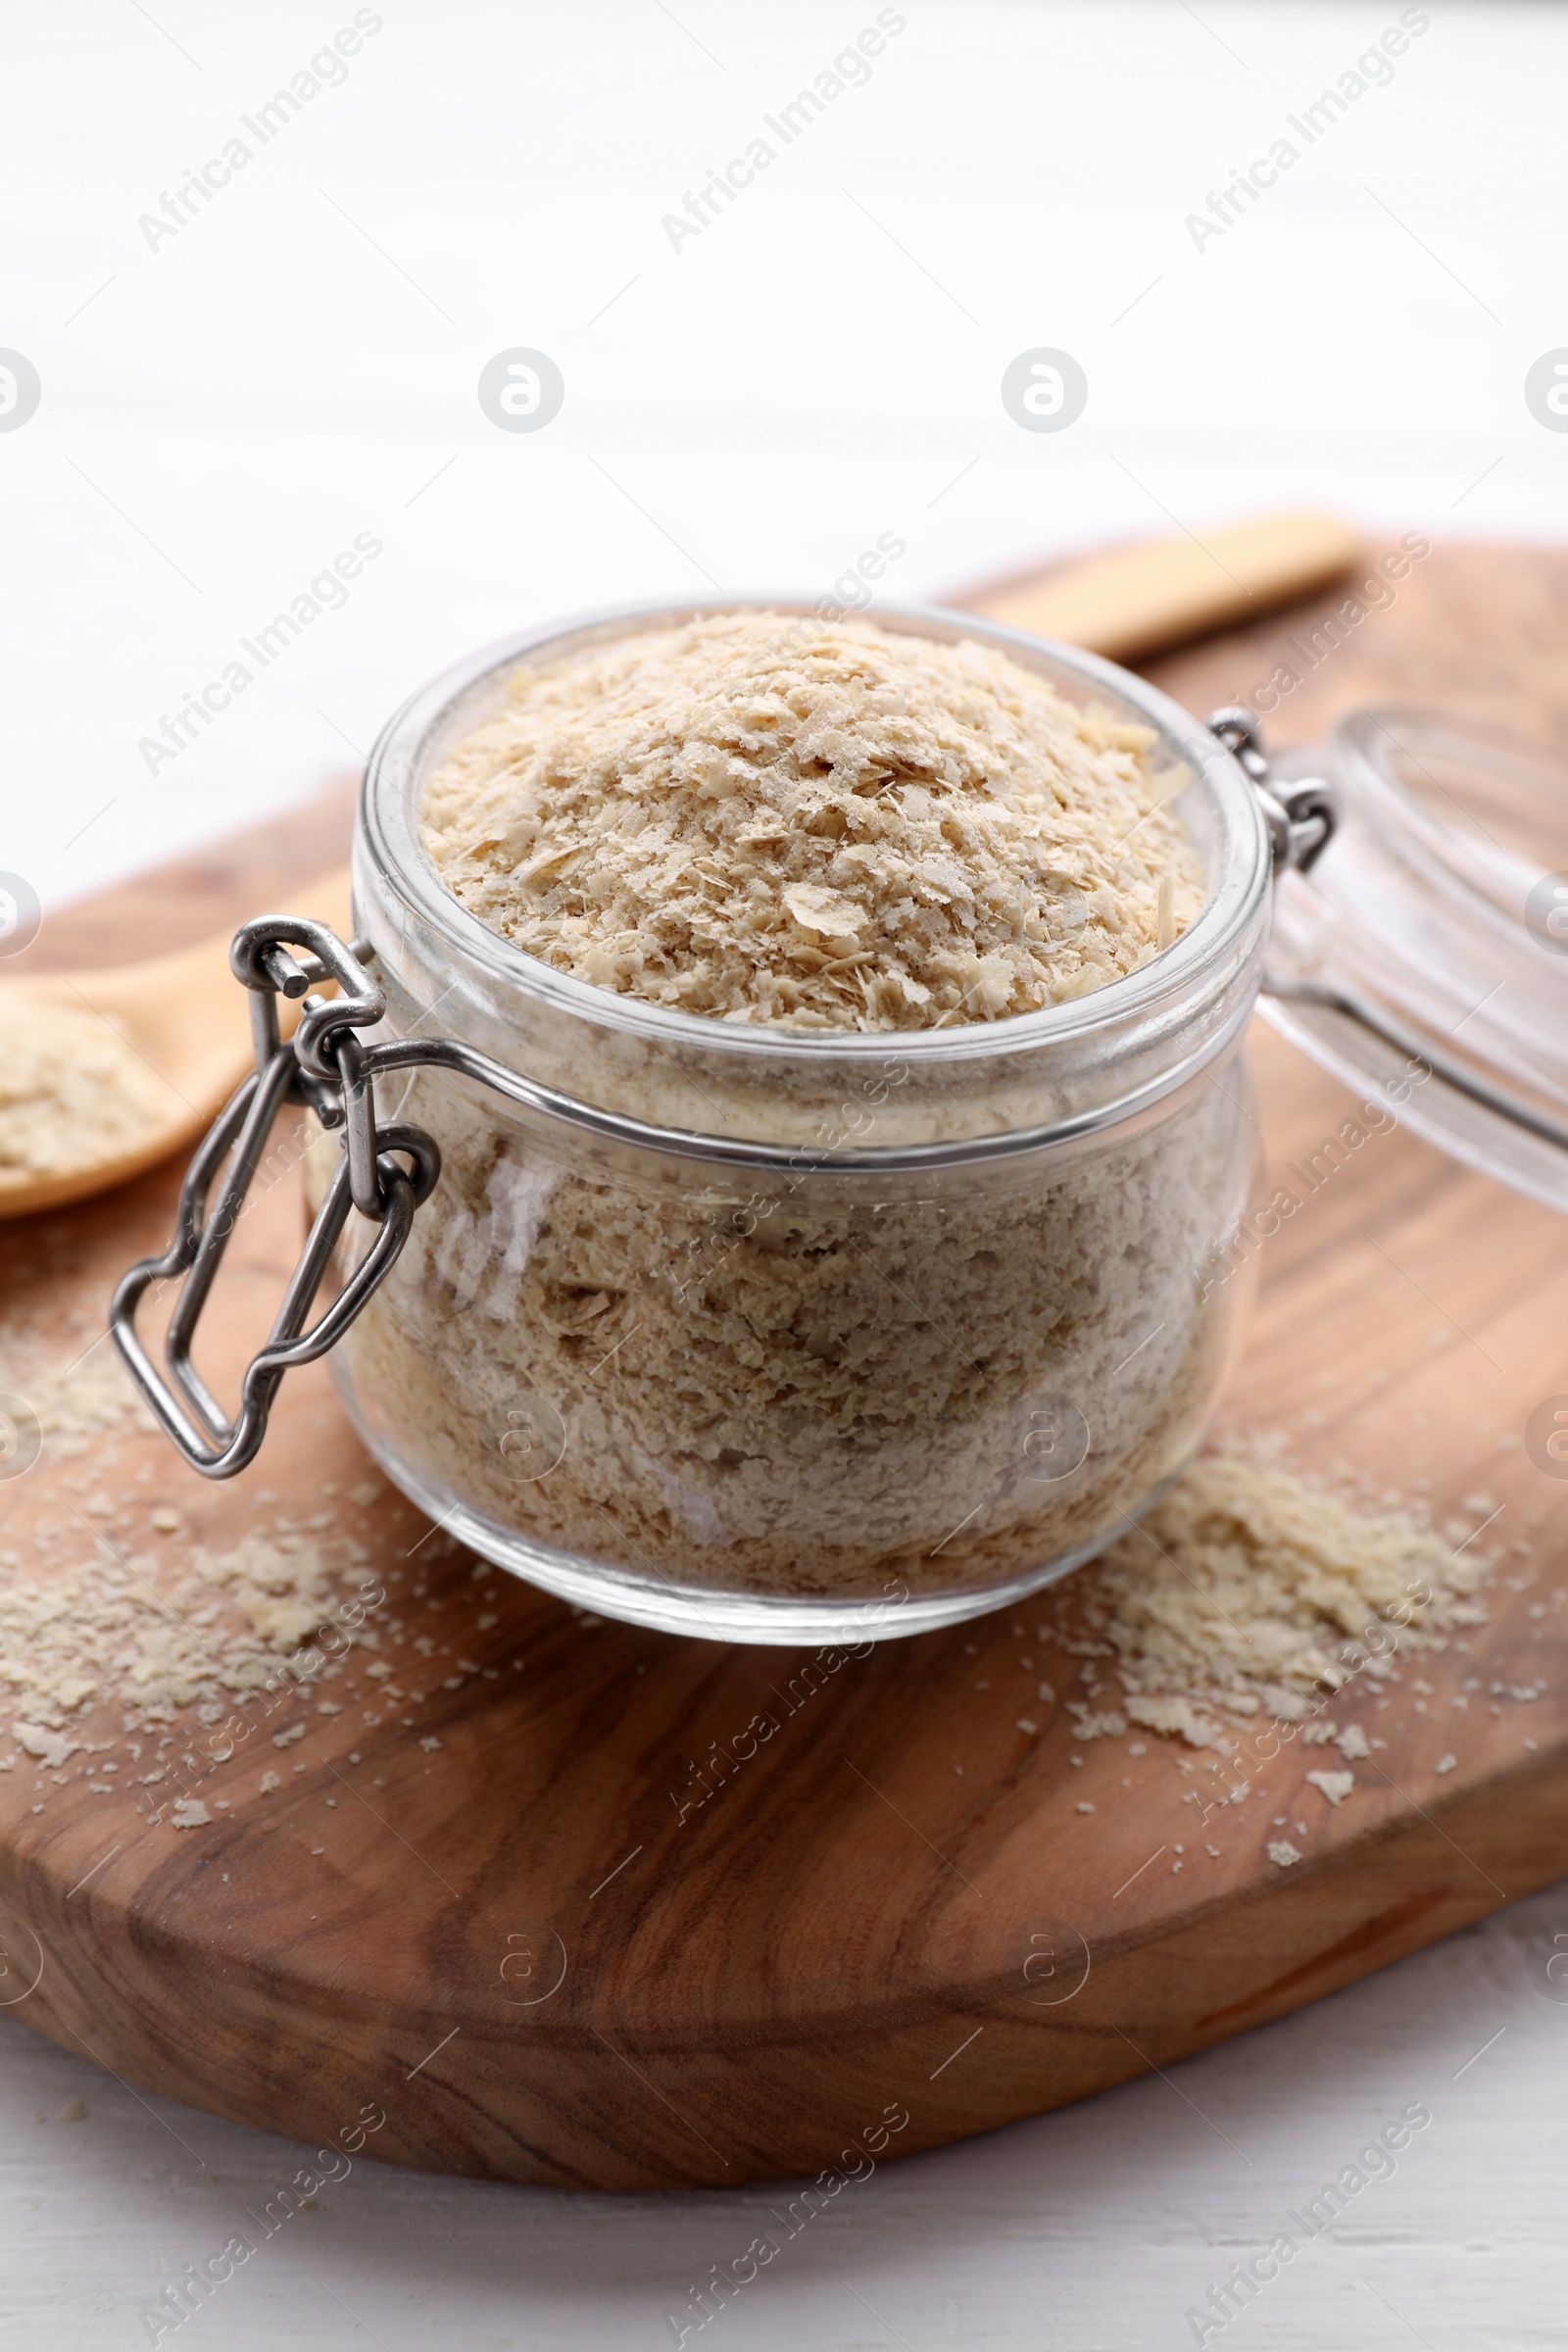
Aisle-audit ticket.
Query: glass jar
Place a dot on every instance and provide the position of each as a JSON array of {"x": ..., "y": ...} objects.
[
  {"x": 766, "y": 1336},
  {"x": 1434, "y": 925}
]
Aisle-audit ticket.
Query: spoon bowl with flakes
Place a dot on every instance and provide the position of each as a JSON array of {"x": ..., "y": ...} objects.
[{"x": 104, "y": 1073}]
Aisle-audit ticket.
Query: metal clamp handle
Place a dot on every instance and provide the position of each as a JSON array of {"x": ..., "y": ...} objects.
[
  {"x": 324, "y": 1066},
  {"x": 1300, "y": 818}
]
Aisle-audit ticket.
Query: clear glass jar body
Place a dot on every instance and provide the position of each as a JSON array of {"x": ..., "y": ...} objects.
[{"x": 805, "y": 1338}]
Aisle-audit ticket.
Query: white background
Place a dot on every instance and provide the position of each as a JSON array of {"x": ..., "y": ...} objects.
[
  {"x": 220, "y": 416},
  {"x": 813, "y": 370}
]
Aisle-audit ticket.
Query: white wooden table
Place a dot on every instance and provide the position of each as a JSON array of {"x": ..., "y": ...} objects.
[
  {"x": 1096, "y": 2229},
  {"x": 223, "y": 412}
]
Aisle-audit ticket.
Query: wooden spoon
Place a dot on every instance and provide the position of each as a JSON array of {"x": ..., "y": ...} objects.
[
  {"x": 186, "y": 1017},
  {"x": 1138, "y": 601}
]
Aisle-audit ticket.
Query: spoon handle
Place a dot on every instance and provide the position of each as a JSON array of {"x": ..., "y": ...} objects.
[{"x": 1137, "y": 601}]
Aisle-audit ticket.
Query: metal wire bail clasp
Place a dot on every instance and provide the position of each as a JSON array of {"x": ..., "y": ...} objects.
[
  {"x": 1300, "y": 818},
  {"x": 323, "y": 1065}
]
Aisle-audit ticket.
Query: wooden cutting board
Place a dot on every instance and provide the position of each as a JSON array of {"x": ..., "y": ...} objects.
[{"x": 509, "y": 1930}]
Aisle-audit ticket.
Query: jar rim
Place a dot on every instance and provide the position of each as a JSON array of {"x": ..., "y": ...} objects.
[
  {"x": 400, "y": 758},
  {"x": 1462, "y": 857}
]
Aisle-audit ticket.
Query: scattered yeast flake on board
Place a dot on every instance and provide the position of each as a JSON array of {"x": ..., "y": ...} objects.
[
  {"x": 97, "y": 1632},
  {"x": 1244, "y": 1594}
]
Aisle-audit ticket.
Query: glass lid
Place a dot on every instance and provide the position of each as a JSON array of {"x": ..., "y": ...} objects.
[{"x": 1424, "y": 957}]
